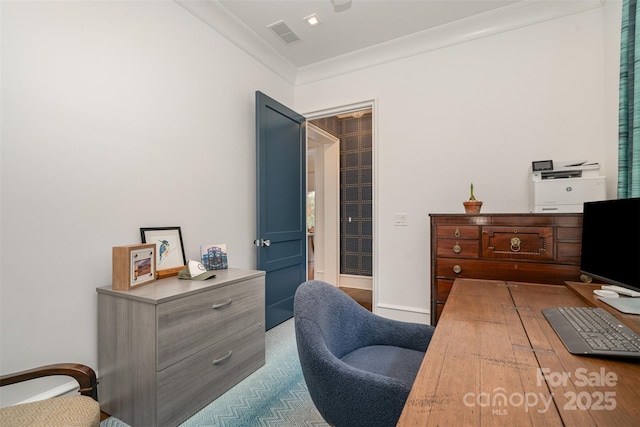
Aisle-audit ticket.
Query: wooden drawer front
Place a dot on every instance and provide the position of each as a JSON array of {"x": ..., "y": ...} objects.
[
  {"x": 191, "y": 324},
  {"x": 533, "y": 243},
  {"x": 508, "y": 270},
  {"x": 458, "y": 248},
  {"x": 569, "y": 234},
  {"x": 191, "y": 384},
  {"x": 444, "y": 287},
  {"x": 458, "y": 231},
  {"x": 439, "y": 308},
  {"x": 569, "y": 253}
]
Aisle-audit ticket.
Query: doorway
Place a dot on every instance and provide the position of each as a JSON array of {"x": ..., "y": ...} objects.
[
  {"x": 323, "y": 204},
  {"x": 340, "y": 160}
]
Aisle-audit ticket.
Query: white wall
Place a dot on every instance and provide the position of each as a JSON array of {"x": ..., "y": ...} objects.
[
  {"x": 115, "y": 116},
  {"x": 479, "y": 112}
]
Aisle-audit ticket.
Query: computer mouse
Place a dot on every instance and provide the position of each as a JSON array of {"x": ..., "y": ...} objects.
[{"x": 605, "y": 293}]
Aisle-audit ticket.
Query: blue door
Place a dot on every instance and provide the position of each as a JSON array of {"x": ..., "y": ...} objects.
[{"x": 281, "y": 204}]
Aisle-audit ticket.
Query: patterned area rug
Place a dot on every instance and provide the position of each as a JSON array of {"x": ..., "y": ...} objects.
[{"x": 274, "y": 395}]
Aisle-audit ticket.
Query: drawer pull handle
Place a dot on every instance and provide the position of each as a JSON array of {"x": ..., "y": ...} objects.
[
  {"x": 457, "y": 232},
  {"x": 222, "y": 359},
  {"x": 456, "y": 248},
  {"x": 457, "y": 269},
  {"x": 515, "y": 244},
  {"x": 222, "y": 304}
]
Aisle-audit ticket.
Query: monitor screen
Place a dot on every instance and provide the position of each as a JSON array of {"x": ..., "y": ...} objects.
[{"x": 611, "y": 242}]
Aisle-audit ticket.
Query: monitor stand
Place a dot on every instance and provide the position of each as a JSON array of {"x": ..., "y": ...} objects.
[{"x": 626, "y": 305}]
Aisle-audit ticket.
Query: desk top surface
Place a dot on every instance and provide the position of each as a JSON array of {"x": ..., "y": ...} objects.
[{"x": 495, "y": 360}]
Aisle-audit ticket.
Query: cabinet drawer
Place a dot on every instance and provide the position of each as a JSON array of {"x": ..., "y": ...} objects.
[
  {"x": 191, "y": 384},
  {"x": 507, "y": 270},
  {"x": 444, "y": 288},
  {"x": 569, "y": 253},
  {"x": 532, "y": 243},
  {"x": 458, "y": 248},
  {"x": 193, "y": 323},
  {"x": 458, "y": 231},
  {"x": 569, "y": 234},
  {"x": 439, "y": 308}
]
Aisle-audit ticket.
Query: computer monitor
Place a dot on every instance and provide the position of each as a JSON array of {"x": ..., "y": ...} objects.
[{"x": 611, "y": 242}]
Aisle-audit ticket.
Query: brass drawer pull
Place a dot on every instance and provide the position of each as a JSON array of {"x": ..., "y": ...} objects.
[
  {"x": 515, "y": 244},
  {"x": 222, "y": 359},
  {"x": 457, "y": 269},
  {"x": 586, "y": 278},
  {"x": 223, "y": 304},
  {"x": 457, "y": 232},
  {"x": 456, "y": 248}
]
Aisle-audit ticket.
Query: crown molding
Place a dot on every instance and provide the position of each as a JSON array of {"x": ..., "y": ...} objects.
[
  {"x": 517, "y": 15},
  {"x": 222, "y": 21}
]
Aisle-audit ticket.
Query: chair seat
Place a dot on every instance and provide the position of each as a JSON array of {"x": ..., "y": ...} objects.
[
  {"x": 72, "y": 411},
  {"x": 389, "y": 361}
]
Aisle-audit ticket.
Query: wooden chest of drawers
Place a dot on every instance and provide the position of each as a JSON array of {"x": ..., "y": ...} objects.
[
  {"x": 167, "y": 349},
  {"x": 543, "y": 248}
]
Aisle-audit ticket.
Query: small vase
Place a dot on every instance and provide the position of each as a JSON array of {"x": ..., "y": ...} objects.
[{"x": 472, "y": 206}]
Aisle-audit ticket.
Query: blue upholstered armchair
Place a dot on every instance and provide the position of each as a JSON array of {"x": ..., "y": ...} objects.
[{"x": 359, "y": 367}]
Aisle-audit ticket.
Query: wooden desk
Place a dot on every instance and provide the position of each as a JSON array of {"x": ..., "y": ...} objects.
[{"x": 495, "y": 360}]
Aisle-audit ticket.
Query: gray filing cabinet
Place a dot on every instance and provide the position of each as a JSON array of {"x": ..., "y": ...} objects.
[{"x": 167, "y": 349}]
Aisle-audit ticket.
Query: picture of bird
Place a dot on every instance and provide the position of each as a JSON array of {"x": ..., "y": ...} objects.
[{"x": 164, "y": 250}]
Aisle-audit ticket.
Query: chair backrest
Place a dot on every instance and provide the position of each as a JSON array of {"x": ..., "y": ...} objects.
[
  {"x": 65, "y": 411},
  {"x": 328, "y": 325},
  {"x": 334, "y": 316}
]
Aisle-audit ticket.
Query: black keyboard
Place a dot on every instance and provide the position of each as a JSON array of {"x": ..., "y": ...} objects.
[{"x": 593, "y": 331}]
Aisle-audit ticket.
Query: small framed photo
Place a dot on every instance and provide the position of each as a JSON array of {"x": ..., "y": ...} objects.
[
  {"x": 133, "y": 265},
  {"x": 170, "y": 257},
  {"x": 214, "y": 257}
]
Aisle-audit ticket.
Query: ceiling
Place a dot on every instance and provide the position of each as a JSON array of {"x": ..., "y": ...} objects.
[
  {"x": 365, "y": 23},
  {"x": 368, "y": 32}
]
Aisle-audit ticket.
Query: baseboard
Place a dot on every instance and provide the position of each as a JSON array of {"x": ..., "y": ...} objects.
[
  {"x": 357, "y": 282},
  {"x": 69, "y": 388},
  {"x": 404, "y": 313}
]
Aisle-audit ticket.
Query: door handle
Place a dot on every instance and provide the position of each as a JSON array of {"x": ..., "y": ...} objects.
[{"x": 262, "y": 242}]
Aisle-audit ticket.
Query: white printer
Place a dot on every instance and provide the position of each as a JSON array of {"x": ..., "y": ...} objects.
[{"x": 564, "y": 186}]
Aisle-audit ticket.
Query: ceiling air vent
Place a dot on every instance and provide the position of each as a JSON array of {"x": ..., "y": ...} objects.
[{"x": 283, "y": 31}]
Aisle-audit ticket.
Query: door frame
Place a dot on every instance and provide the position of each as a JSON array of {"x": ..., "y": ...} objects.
[
  {"x": 327, "y": 227},
  {"x": 345, "y": 109}
]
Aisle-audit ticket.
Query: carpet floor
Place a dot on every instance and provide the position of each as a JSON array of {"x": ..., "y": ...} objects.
[{"x": 274, "y": 395}]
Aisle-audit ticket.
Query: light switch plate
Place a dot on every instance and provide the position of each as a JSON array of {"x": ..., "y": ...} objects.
[{"x": 400, "y": 219}]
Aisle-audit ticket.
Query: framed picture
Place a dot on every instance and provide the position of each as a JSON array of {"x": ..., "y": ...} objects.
[
  {"x": 133, "y": 265},
  {"x": 214, "y": 257},
  {"x": 170, "y": 257}
]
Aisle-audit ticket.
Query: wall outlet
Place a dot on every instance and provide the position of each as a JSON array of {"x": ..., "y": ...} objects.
[{"x": 400, "y": 219}]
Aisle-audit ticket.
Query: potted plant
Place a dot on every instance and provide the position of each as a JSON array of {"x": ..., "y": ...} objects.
[{"x": 472, "y": 206}]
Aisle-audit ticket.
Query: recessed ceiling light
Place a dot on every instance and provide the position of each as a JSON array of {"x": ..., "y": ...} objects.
[{"x": 313, "y": 20}]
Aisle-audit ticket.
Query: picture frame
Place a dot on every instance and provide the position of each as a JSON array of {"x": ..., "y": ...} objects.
[
  {"x": 170, "y": 255},
  {"x": 214, "y": 257},
  {"x": 133, "y": 266}
]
